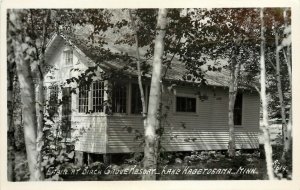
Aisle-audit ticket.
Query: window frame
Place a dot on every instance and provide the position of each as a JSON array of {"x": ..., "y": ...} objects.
[
  {"x": 68, "y": 60},
  {"x": 87, "y": 97},
  {"x": 185, "y": 95},
  {"x": 100, "y": 99},
  {"x": 186, "y": 104},
  {"x": 90, "y": 100}
]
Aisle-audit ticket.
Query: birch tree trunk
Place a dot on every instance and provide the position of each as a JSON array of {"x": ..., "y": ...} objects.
[
  {"x": 27, "y": 96},
  {"x": 40, "y": 91},
  {"x": 263, "y": 97},
  {"x": 280, "y": 95},
  {"x": 288, "y": 137},
  {"x": 234, "y": 75},
  {"x": 150, "y": 150},
  {"x": 40, "y": 103}
]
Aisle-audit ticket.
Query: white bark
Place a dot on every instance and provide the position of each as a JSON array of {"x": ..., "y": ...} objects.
[
  {"x": 280, "y": 95},
  {"x": 265, "y": 124},
  {"x": 234, "y": 75},
  {"x": 150, "y": 150},
  {"x": 288, "y": 137},
  {"x": 27, "y": 97},
  {"x": 41, "y": 95}
]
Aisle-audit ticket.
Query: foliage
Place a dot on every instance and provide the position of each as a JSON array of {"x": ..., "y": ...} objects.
[{"x": 21, "y": 167}]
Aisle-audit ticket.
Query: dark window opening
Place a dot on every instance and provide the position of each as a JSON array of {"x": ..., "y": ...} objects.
[
  {"x": 66, "y": 112},
  {"x": 136, "y": 102},
  {"x": 119, "y": 95},
  {"x": 185, "y": 104},
  {"x": 238, "y": 106}
]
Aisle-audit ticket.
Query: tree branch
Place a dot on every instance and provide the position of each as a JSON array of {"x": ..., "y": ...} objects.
[{"x": 144, "y": 113}]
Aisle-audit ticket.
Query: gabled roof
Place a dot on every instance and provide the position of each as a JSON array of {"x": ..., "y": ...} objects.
[{"x": 93, "y": 53}]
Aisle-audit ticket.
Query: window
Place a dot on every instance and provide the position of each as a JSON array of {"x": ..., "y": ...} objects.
[
  {"x": 91, "y": 101},
  {"x": 238, "y": 106},
  {"x": 53, "y": 100},
  {"x": 136, "y": 102},
  {"x": 83, "y": 99},
  {"x": 97, "y": 96},
  {"x": 185, "y": 104},
  {"x": 119, "y": 95},
  {"x": 66, "y": 112},
  {"x": 68, "y": 57}
]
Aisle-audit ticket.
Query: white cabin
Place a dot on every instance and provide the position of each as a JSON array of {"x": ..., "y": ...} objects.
[{"x": 196, "y": 117}]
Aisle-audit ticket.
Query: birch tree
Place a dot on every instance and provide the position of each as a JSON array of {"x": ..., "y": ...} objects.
[
  {"x": 287, "y": 52},
  {"x": 150, "y": 150},
  {"x": 265, "y": 123},
  {"x": 233, "y": 88},
  {"x": 280, "y": 94},
  {"x": 16, "y": 29},
  {"x": 279, "y": 86},
  {"x": 39, "y": 33}
]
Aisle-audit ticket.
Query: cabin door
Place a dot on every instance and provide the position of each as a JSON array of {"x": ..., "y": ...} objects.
[{"x": 66, "y": 113}]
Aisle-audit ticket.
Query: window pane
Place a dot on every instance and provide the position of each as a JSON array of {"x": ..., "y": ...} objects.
[
  {"x": 68, "y": 57},
  {"x": 185, "y": 104},
  {"x": 98, "y": 96},
  {"x": 83, "y": 99},
  {"x": 191, "y": 105}
]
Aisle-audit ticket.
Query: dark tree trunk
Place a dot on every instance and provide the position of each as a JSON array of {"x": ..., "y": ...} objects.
[{"x": 10, "y": 123}]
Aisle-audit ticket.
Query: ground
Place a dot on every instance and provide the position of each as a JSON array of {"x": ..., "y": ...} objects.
[{"x": 201, "y": 165}]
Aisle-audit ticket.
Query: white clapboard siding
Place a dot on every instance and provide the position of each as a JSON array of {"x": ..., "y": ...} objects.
[
  {"x": 205, "y": 130},
  {"x": 91, "y": 133},
  {"x": 122, "y": 132}
]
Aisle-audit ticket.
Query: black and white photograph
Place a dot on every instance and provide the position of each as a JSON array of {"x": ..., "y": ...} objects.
[{"x": 149, "y": 94}]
